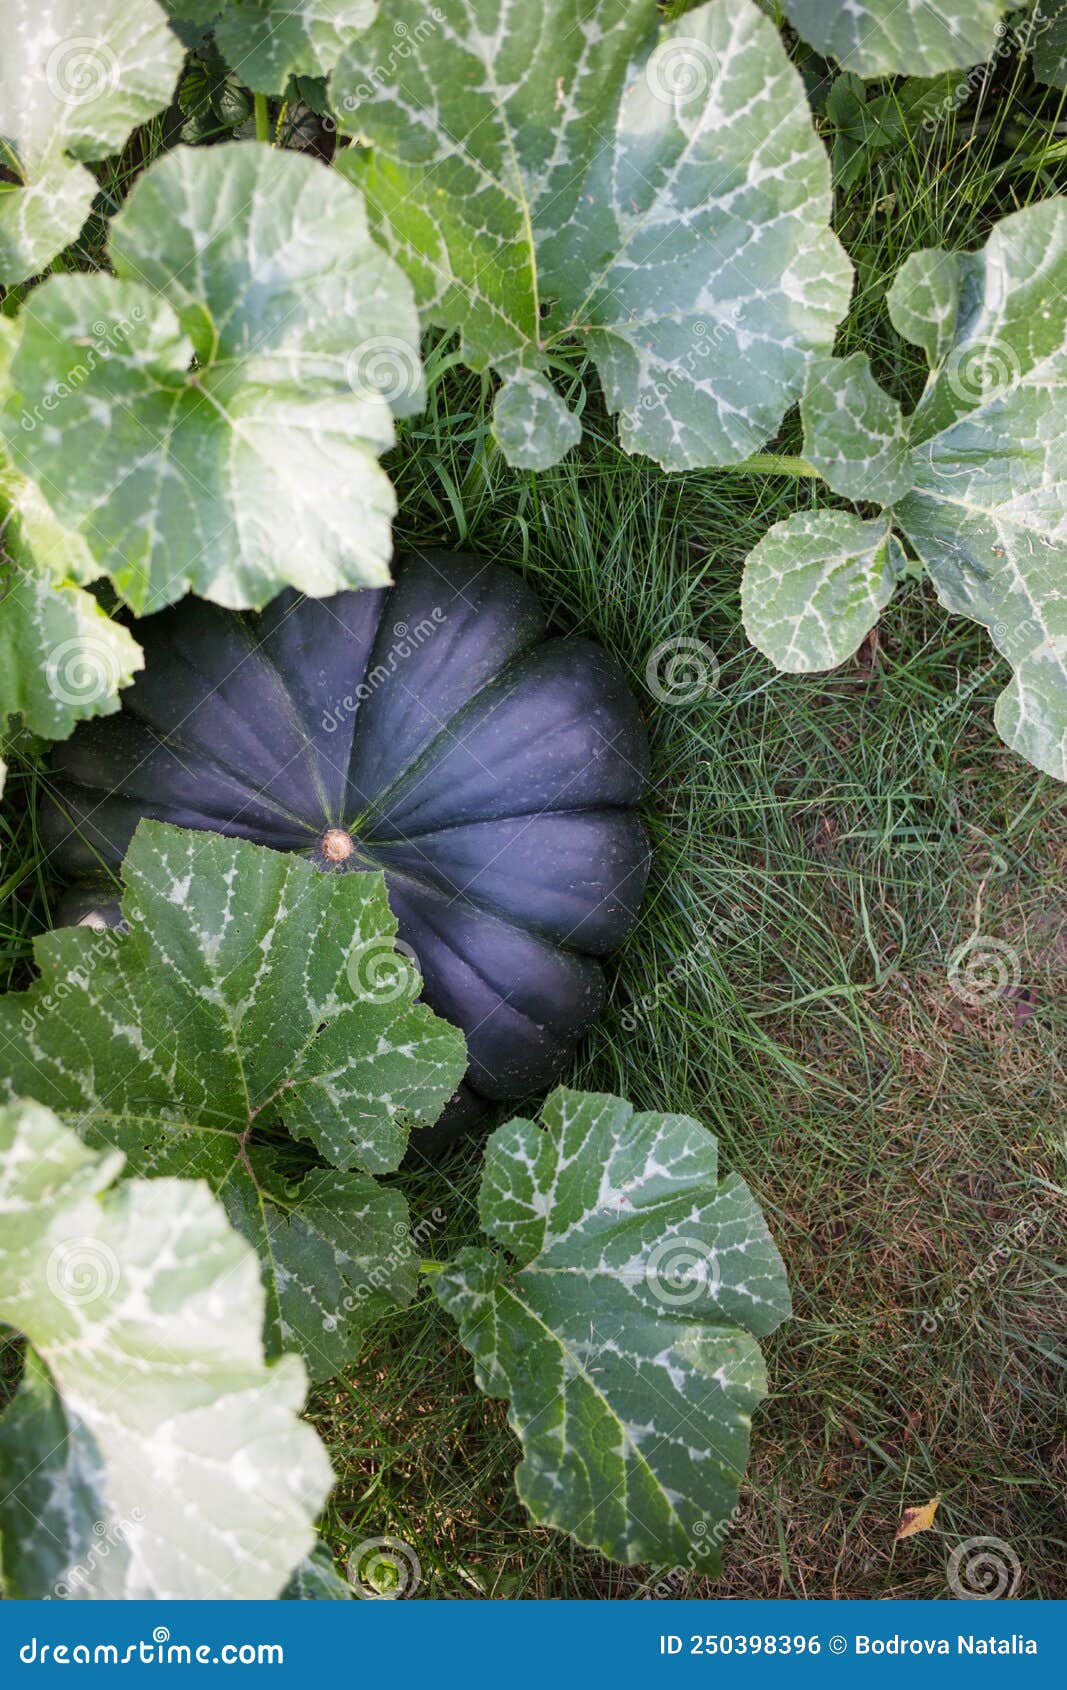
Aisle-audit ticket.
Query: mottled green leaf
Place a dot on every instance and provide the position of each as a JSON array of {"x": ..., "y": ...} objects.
[
  {"x": 899, "y": 37},
  {"x": 74, "y": 81},
  {"x": 151, "y": 1450},
  {"x": 988, "y": 512},
  {"x": 256, "y": 465},
  {"x": 621, "y": 1323},
  {"x": 564, "y": 175},
  {"x": 61, "y": 657},
  {"x": 854, "y": 432},
  {"x": 1046, "y": 30},
  {"x": 317, "y": 1580},
  {"x": 815, "y": 585},
  {"x": 227, "y": 1010},
  {"x": 268, "y": 41}
]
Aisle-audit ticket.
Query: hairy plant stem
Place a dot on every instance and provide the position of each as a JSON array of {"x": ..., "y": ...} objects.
[
  {"x": 432, "y": 1267},
  {"x": 262, "y": 117}
]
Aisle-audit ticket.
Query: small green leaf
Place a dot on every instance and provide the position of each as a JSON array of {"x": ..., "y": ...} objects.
[
  {"x": 213, "y": 419},
  {"x": 560, "y": 176},
  {"x": 623, "y": 1327},
  {"x": 1046, "y": 28},
  {"x": 227, "y": 1009},
  {"x": 150, "y": 1452},
  {"x": 73, "y": 83},
  {"x": 899, "y": 37},
  {"x": 854, "y": 432},
  {"x": 815, "y": 585}
]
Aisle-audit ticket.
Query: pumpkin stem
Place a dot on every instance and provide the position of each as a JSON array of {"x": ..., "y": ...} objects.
[{"x": 337, "y": 845}]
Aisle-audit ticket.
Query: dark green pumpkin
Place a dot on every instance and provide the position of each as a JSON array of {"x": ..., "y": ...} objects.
[{"x": 431, "y": 729}]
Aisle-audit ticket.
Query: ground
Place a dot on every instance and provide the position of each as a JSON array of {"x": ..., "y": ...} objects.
[{"x": 823, "y": 849}]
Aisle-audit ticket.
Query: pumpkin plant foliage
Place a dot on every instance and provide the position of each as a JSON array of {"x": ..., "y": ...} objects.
[
  {"x": 620, "y": 1316},
  {"x": 226, "y": 1038},
  {"x": 72, "y": 87},
  {"x": 900, "y": 37},
  {"x": 224, "y": 1014},
  {"x": 147, "y": 1414},
  {"x": 268, "y": 41},
  {"x": 974, "y": 479},
  {"x": 567, "y": 172}
]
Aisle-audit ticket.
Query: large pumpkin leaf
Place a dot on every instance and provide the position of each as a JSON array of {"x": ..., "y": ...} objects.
[
  {"x": 988, "y": 511},
  {"x": 900, "y": 37},
  {"x": 563, "y": 173},
  {"x": 621, "y": 1323},
  {"x": 73, "y": 83},
  {"x": 222, "y": 403},
  {"x": 150, "y": 1451},
  {"x": 226, "y": 1011}
]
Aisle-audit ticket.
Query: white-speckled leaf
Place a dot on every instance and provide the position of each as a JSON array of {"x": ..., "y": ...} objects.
[
  {"x": 317, "y": 1580},
  {"x": 228, "y": 1006},
  {"x": 988, "y": 512},
  {"x": 899, "y": 37},
  {"x": 621, "y": 1322},
  {"x": 74, "y": 81},
  {"x": 257, "y": 467},
  {"x": 854, "y": 431},
  {"x": 564, "y": 173},
  {"x": 815, "y": 585},
  {"x": 61, "y": 657},
  {"x": 268, "y": 42},
  {"x": 160, "y": 1455}
]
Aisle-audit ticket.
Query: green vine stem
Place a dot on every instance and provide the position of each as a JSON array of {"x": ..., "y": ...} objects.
[
  {"x": 432, "y": 1267},
  {"x": 775, "y": 463},
  {"x": 262, "y": 117}
]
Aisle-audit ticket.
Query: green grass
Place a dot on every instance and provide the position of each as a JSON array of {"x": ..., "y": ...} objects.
[{"x": 822, "y": 848}]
